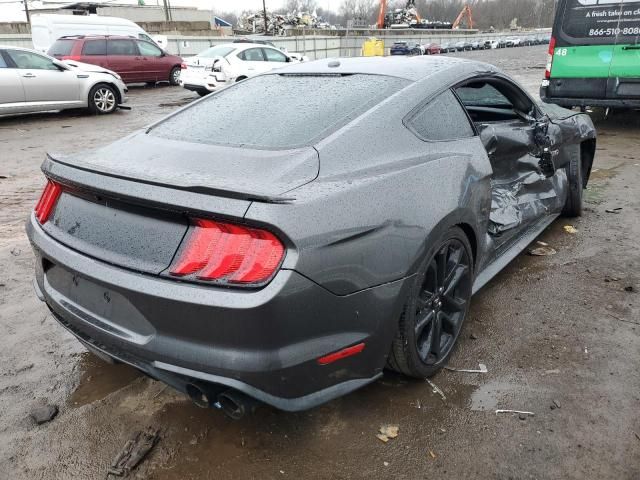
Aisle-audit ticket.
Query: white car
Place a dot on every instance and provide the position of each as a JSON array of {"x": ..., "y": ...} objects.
[
  {"x": 224, "y": 64},
  {"x": 33, "y": 82}
]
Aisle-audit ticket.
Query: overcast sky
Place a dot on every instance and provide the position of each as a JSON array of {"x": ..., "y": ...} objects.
[{"x": 13, "y": 11}]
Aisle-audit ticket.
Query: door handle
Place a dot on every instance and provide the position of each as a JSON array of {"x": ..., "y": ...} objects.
[
  {"x": 631, "y": 47},
  {"x": 29, "y": 75}
]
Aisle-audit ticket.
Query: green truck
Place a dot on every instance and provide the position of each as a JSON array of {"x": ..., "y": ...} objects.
[{"x": 594, "y": 54}]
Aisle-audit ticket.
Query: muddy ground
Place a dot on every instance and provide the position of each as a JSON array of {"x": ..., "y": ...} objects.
[{"x": 560, "y": 336}]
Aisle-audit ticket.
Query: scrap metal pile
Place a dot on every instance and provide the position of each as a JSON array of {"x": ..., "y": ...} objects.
[{"x": 277, "y": 23}]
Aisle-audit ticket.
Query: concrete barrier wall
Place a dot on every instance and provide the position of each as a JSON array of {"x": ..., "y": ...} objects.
[{"x": 314, "y": 46}]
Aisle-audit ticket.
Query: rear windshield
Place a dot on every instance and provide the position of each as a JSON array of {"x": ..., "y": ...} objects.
[
  {"x": 61, "y": 48},
  {"x": 278, "y": 111},
  {"x": 218, "y": 51},
  {"x": 600, "y": 19}
]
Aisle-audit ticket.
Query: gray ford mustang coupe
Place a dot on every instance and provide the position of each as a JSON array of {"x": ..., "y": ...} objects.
[{"x": 289, "y": 237}]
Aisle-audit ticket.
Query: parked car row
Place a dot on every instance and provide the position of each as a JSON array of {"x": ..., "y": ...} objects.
[{"x": 413, "y": 48}]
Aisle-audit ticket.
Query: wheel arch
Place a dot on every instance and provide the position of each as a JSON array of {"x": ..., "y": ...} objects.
[
  {"x": 104, "y": 82},
  {"x": 587, "y": 155}
]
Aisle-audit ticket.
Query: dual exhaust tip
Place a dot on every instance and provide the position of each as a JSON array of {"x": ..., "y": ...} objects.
[{"x": 233, "y": 403}]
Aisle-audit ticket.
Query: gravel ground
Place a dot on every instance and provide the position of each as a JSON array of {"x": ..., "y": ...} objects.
[{"x": 560, "y": 336}]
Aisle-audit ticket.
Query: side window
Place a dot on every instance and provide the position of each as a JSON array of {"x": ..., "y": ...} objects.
[
  {"x": 3, "y": 64},
  {"x": 441, "y": 119},
  {"x": 94, "y": 47},
  {"x": 482, "y": 94},
  {"x": 251, "y": 55},
  {"x": 274, "y": 55},
  {"x": 121, "y": 47},
  {"x": 28, "y": 60},
  {"x": 149, "y": 50},
  {"x": 143, "y": 36}
]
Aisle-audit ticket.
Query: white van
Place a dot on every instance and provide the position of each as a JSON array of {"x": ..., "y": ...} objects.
[{"x": 46, "y": 29}]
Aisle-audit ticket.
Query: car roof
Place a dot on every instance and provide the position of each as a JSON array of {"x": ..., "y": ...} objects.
[{"x": 410, "y": 68}]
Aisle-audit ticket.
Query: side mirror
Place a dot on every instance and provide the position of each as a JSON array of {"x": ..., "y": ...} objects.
[{"x": 60, "y": 66}]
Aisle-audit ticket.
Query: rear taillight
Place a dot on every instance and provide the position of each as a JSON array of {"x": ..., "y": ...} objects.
[
  {"x": 75, "y": 58},
  {"x": 47, "y": 201},
  {"x": 552, "y": 48},
  {"x": 228, "y": 254}
]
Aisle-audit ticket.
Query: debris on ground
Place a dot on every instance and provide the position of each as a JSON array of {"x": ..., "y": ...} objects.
[
  {"x": 570, "y": 229},
  {"x": 431, "y": 454},
  {"x": 44, "y": 414},
  {"x": 613, "y": 210},
  {"x": 542, "y": 251},
  {"x": 388, "y": 432},
  {"x": 519, "y": 412},
  {"x": 277, "y": 23},
  {"x": 473, "y": 336},
  {"x": 554, "y": 404},
  {"x": 437, "y": 390},
  {"x": 609, "y": 279},
  {"x": 628, "y": 288},
  {"x": 16, "y": 252},
  {"x": 386, "y": 464},
  {"x": 522, "y": 416},
  {"x": 134, "y": 452},
  {"x": 482, "y": 368}
]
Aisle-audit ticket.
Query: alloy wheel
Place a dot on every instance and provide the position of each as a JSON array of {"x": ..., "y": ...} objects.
[
  {"x": 442, "y": 302},
  {"x": 104, "y": 99}
]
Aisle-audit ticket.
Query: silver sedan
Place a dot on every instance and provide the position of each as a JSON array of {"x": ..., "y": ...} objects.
[{"x": 32, "y": 82}]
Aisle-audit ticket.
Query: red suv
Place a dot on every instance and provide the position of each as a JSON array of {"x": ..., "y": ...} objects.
[{"x": 133, "y": 59}]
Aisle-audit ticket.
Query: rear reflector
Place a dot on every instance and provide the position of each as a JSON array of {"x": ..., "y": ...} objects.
[
  {"x": 47, "y": 201},
  {"x": 226, "y": 253},
  {"x": 552, "y": 47},
  {"x": 340, "y": 354}
]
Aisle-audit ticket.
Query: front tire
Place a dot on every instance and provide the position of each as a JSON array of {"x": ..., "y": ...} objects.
[
  {"x": 573, "y": 205},
  {"x": 436, "y": 308},
  {"x": 103, "y": 99}
]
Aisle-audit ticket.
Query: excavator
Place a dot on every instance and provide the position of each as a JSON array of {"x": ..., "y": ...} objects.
[{"x": 465, "y": 12}]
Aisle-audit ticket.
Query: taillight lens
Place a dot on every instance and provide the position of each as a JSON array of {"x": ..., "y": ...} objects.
[
  {"x": 552, "y": 48},
  {"x": 47, "y": 201},
  {"x": 227, "y": 254}
]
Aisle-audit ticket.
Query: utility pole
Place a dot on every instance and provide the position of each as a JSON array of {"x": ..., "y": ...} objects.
[
  {"x": 26, "y": 11},
  {"x": 264, "y": 12}
]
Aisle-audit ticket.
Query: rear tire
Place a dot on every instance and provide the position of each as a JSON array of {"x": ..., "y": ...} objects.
[
  {"x": 174, "y": 76},
  {"x": 437, "y": 306},
  {"x": 573, "y": 205},
  {"x": 103, "y": 99}
]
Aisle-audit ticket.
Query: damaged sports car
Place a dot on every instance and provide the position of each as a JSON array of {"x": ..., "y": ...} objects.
[{"x": 335, "y": 224}]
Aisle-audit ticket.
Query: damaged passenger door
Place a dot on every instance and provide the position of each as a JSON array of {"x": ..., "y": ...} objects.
[{"x": 518, "y": 139}]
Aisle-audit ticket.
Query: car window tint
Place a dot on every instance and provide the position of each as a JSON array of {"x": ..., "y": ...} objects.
[
  {"x": 253, "y": 55},
  {"x": 3, "y": 64},
  {"x": 94, "y": 47},
  {"x": 142, "y": 36},
  {"x": 441, "y": 119},
  {"x": 482, "y": 94},
  {"x": 149, "y": 50},
  {"x": 28, "y": 60},
  {"x": 278, "y": 111},
  {"x": 121, "y": 47},
  {"x": 218, "y": 51},
  {"x": 61, "y": 48},
  {"x": 274, "y": 55}
]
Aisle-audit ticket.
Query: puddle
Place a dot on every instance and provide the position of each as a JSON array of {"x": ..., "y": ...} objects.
[
  {"x": 99, "y": 379},
  {"x": 494, "y": 395}
]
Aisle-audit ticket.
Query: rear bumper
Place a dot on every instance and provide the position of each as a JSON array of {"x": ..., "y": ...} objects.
[
  {"x": 200, "y": 81},
  {"x": 264, "y": 343},
  {"x": 591, "y": 92}
]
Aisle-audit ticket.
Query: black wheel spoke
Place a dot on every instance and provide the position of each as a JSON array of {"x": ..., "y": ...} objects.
[
  {"x": 447, "y": 323},
  {"x": 436, "y": 335},
  {"x": 425, "y": 299},
  {"x": 423, "y": 322},
  {"x": 454, "y": 279},
  {"x": 441, "y": 265},
  {"x": 453, "y": 304}
]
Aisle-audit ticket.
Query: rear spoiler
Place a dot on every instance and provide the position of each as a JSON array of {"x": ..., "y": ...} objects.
[{"x": 49, "y": 169}]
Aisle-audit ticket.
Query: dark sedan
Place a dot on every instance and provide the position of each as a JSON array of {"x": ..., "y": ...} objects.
[
  {"x": 406, "y": 48},
  {"x": 292, "y": 256}
]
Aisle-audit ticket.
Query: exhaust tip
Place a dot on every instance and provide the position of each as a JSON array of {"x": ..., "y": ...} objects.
[
  {"x": 235, "y": 404},
  {"x": 198, "y": 396}
]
